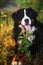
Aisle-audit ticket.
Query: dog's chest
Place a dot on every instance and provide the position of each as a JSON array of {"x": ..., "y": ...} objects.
[
  {"x": 32, "y": 36},
  {"x": 29, "y": 34}
]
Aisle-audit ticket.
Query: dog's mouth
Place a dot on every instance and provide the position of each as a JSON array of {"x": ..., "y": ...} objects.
[
  {"x": 24, "y": 31},
  {"x": 25, "y": 26},
  {"x": 26, "y": 23}
]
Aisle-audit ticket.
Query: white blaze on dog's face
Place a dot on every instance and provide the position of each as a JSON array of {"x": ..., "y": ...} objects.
[{"x": 26, "y": 21}]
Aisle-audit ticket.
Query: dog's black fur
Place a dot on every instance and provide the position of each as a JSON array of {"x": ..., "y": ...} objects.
[{"x": 17, "y": 16}]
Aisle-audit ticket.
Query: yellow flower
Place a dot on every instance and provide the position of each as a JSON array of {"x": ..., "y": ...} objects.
[{"x": 1, "y": 25}]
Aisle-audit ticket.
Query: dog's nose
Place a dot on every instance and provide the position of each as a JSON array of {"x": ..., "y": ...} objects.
[{"x": 26, "y": 21}]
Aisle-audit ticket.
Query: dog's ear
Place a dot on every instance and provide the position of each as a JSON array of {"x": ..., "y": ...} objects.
[
  {"x": 32, "y": 13},
  {"x": 14, "y": 16},
  {"x": 18, "y": 15}
]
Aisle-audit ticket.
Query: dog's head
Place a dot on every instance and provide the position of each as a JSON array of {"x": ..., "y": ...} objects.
[{"x": 24, "y": 19}]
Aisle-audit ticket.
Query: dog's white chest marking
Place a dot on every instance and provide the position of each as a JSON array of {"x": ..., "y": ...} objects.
[
  {"x": 31, "y": 37},
  {"x": 32, "y": 29}
]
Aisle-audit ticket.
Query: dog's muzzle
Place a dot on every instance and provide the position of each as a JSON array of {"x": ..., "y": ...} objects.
[{"x": 26, "y": 23}]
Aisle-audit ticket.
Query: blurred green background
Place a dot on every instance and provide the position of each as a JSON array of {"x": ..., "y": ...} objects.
[{"x": 11, "y": 4}]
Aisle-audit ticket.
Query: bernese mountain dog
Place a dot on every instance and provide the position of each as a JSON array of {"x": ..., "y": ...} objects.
[{"x": 25, "y": 21}]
